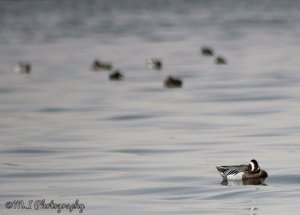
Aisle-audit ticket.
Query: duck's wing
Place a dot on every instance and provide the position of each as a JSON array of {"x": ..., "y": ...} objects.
[{"x": 231, "y": 171}]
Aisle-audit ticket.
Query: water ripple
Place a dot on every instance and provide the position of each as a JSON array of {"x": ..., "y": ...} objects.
[
  {"x": 129, "y": 117},
  {"x": 149, "y": 151},
  {"x": 29, "y": 151}
]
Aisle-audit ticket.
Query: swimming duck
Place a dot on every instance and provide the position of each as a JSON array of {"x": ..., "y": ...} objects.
[
  {"x": 220, "y": 60},
  {"x": 171, "y": 82},
  {"x": 242, "y": 172},
  {"x": 116, "y": 75},
  {"x": 23, "y": 67},
  {"x": 154, "y": 63},
  {"x": 207, "y": 51},
  {"x": 98, "y": 65}
]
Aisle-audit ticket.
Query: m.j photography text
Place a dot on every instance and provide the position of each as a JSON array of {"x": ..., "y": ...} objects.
[{"x": 43, "y": 205}]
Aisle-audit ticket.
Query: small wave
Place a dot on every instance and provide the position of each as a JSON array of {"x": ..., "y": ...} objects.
[
  {"x": 53, "y": 110},
  {"x": 27, "y": 151},
  {"x": 6, "y": 90},
  {"x": 148, "y": 151},
  {"x": 128, "y": 117}
]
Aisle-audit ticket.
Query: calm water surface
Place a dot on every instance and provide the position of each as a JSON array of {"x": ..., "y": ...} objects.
[{"x": 134, "y": 147}]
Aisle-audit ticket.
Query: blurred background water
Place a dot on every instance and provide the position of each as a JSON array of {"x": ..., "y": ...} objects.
[{"x": 134, "y": 147}]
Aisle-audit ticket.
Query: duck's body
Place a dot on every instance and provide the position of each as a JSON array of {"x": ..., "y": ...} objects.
[
  {"x": 98, "y": 65},
  {"x": 154, "y": 63},
  {"x": 116, "y": 75},
  {"x": 23, "y": 67},
  {"x": 171, "y": 82},
  {"x": 220, "y": 60},
  {"x": 242, "y": 172},
  {"x": 207, "y": 51}
]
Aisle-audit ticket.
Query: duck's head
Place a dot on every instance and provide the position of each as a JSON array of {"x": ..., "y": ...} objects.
[{"x": 253, "y": 166}]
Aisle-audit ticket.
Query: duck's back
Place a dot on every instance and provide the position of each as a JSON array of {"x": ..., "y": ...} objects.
[{"x": 232, "y": 172}]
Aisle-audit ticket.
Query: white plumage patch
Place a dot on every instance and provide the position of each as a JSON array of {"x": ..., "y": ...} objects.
[
  {"x": 252, "y": 166},
  {"x": 237, "y": 176}
]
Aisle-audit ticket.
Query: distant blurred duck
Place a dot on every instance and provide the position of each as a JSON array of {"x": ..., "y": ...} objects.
[
  {"x": 98, "y": 65},
  {"x": 154, "y": 63},
  {"x": 243, "y": 172},
  {"x": 171, "y": 82},
  {"x": 23, "y": 67},
  {"x": 220, "y": 60},
  {"x": 207, "y": 51},
  {"x": 116, "y": 75}
]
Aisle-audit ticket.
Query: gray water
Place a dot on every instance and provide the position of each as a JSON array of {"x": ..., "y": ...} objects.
[{"x": 133, "y": 146}]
